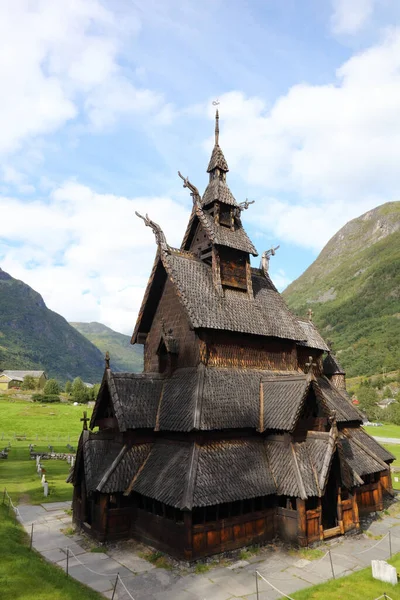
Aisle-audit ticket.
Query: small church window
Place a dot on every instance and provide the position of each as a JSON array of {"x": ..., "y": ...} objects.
[
  {"x": 162, "y": 358},
  {"x": 225, "y": 216}
]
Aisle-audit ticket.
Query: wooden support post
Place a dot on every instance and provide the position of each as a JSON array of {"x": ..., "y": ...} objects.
[
  {"x": 354, "y": 506},
  {"x": 301, "y": 521},
  {"x": 380, "y": 494},
  {"x": 340, "y": 510},
  {"x": 103, "y": 515},
  {"x": 321, "y": 529},
  {"x": 187, "y": 522}
]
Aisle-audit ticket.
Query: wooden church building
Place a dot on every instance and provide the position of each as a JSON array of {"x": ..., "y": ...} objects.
[{"x": 238, "y": 430}]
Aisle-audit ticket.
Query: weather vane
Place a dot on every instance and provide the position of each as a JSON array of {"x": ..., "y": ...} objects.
[{"x": 215, "y": 102}]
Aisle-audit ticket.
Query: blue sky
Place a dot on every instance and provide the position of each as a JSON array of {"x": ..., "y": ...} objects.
[{"x": 102, "y": 103}]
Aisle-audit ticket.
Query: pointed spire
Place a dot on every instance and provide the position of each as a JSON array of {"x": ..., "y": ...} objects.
[
  {"x": 216, "y": 127},
  {"x": 217, "y": 160}
]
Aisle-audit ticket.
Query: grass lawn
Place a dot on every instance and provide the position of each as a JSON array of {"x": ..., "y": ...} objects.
[
  {"x": 18, "y": 474},
  {"x": 24, "y": 575},
  {"x": 387, "y": 430},
  {"x": 55, "y": 424},
  {"x": 40, "y": 422},
  {"x": 359, "y": 586}
]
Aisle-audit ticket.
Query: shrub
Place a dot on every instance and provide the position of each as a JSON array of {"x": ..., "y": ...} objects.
[
  {"x": 45, "y": 398},
  {"x": 51, "y": 388},
  {"x": 68, "y": 387},
  {"x": 28, "y": 383}
]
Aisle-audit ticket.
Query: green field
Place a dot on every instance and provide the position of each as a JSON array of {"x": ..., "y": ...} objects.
[
  {"x": 359, "y": 586},
  {"x": 40, "y": 422},
  {"x": 18, "y": 475},
  {"x": 24, "y": 575},
  {"x": 55, "y": 424},
  {"x": 387, "y": 430}
]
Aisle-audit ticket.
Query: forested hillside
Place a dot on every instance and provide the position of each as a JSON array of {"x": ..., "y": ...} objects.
[
  {"x": 34, "y": 337},
  {"x": 124, "y": 356},
  {"x": 353, "y": 289}
]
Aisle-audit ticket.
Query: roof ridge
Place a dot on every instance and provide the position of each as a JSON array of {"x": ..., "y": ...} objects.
[
  {"x": 367, "y": 450},
  {"x": 326, "y": 465},
  {"x": 140, "y": 469},
  {"x": 299, "y": 478},
  {"x": 119, "y": 413},
  {"x": 112, "y": 467},
  {"x": 189, "y": 486},
  {"x": 201, "y": 370}
]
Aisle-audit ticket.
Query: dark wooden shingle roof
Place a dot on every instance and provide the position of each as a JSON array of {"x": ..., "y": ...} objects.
[
  {"x": 283, "y": 398},
  {"x": 211, "y": 398},
  {"x": 311, "y": 336},
  {"x": 217, "y": 160},
  {"x": 218, "y": 190},
  {"x": 332, "y": 366},
  {"x": 266, "y": 314}
]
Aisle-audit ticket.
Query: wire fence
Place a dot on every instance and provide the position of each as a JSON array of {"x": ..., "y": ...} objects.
[
  {"x": 331, "y": 555},
  {"x": 35, "y": 437},
  {"x": 119, "y": 583},
  {"x": 7, "y": 501}
]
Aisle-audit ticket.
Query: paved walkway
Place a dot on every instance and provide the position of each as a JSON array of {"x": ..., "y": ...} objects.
[
  {"x": 386, "y": 440},
  {"x": 143, "y": 581}
]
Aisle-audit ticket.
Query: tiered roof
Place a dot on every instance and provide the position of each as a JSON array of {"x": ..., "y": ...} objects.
[
  {"x": 185, "y": 474},
  {"x": 210, "y": 398}
]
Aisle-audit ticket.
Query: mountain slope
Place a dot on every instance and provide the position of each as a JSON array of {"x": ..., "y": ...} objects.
[
  {"x": 353, "y": 289},
  {"x": 124, "y": 356},
  {"x": 34, "y": 337}
]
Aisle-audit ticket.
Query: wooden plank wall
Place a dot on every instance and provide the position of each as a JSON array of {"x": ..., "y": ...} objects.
[
  {"x": 369, "y": 498},
  {"x": 170, "y": 311},
  {"x": 228, "y": 534},
  {"x": 287, "y": 524},
  {"x": 269, "y": 354}
]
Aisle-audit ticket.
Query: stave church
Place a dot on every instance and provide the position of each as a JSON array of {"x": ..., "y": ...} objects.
[{"x": 239, "y": 429}]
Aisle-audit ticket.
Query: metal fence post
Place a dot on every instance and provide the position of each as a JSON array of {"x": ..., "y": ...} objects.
[
  {"x": 330, "y": 558},
  {"x": 30, "y": 547},
  {"x": 390, "y": 543},
  {"x": 115, "y": 586},
  {"x": 67, "y": 561},
  {"x": 257, "y": 585},
  {"x": 4, "y": 495}
]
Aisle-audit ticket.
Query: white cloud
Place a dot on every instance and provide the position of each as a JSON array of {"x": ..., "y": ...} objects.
[
  {"x": 60, "y": 61},
  {"x": 323, "y": 153},
  {"x": 349, "y": 16},
  {"x": 87, "y": 253}
]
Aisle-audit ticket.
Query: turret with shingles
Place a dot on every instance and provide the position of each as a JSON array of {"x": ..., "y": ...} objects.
[{"x": 334, "y": 371}]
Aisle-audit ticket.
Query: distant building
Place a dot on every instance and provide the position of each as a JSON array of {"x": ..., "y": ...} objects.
[
  {"x": 386, "y": 402},
  {"x": 13, "y": 379}
]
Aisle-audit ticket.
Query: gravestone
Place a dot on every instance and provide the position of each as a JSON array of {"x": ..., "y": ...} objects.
[
  {"x": 46, "y": 489},
  {"x": 43, "y": 479},
  {"x": 384, "y": 572}
]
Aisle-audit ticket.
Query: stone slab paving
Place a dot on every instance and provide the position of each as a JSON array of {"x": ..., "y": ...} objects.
[{"x": 143, "y": 581}]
